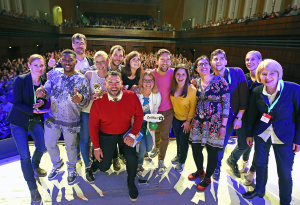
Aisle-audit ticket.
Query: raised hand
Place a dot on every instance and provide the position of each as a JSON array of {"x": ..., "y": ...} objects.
[
  {"x": 77, "y": 97},
  {"x": 51, "y": 62},
  {"x": 40, "y": 92}
]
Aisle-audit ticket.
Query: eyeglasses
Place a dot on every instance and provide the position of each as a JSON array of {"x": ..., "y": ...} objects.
[
  {"x": 79, "y": 43},
  {"x": 67, "y": 61},
  {"x": 148, "y": 81},
  {"x": 203, "y": 64},
  {"x": 100, "y": 62}
]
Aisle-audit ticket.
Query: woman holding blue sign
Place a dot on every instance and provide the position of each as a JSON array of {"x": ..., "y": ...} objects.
[
  {"x": 274, "y": 119},
  {"x": 150, "y": 99}
]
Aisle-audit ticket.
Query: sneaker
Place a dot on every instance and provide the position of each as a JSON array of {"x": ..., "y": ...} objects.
[
  {"x": 89, "y": 175},
  {"x": 231, "y": 141},
  {"x": 161, "y": 167},
  {"x": 55, "y": 171},
  {"x": 40, "y": 172},
  {"x": 249, "y": 178},
  {"x": 133, "y": 193},
  {"x": 195, "y": 175},
  {"x": 216, "y": 175},
  {"x": 116, "y": 164},
  {"x": 72, "y": 177},
  {"x": 178, "y": 167},
  {"x": 154, "y": 152},
  {"x": 234, "y": 167},
  {"x": 244, "y": 167},
  {"x": 140, "y": 168},
  {"x": 35, "y": 195},
  {"x": 175, "y": 160},
  {"x": 205, "y": 182}
]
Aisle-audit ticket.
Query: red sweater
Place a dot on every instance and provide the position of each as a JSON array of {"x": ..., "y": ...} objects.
[{"x": 115, "y": 117}]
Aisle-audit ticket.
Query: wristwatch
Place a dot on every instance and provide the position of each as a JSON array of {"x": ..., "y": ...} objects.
[{"x": 238, "y": 118}]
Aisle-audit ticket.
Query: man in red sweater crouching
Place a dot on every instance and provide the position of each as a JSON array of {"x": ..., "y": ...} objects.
[{"x": 110, "y": 118}]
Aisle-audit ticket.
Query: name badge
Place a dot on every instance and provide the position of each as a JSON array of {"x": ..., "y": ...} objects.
[{"x": 265, "y": 118}]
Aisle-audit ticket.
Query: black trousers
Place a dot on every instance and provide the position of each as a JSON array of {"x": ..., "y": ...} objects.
[{"x": 108, "y": 144}]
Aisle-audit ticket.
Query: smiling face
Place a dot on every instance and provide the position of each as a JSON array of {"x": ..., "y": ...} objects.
[
  {"x": 180, "y": 77},
  {"x": 148, "y": 83},
  {"x": 79, "y": 46},
  {"x": 218, "y": 62},
  {"x": 101, "y": 63},
  {"x": 269, "y": 78},
  {"x": 68, "y": 62},
  {"x": 135, "y": 62},
  {"x": 164, "y": 62},
  {"x": 203, "y": 67},
  {"x": 37, "y": 67},
  {"x": 117, "y": 57},
  {"x": 113, "y": 85},
  {"x": 252, "y": 61}
]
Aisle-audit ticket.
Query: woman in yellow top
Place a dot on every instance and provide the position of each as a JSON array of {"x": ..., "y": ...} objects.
[{"x": 183, "y": 98}]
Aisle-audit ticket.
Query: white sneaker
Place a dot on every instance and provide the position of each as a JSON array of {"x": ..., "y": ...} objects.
[
  {"x": 249, "y": 178},
  {"x": 244, "y": 167},
  {"x": 161, "y": 167}
]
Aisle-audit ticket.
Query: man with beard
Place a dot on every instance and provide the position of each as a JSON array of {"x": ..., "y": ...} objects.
[
  {"x": 110, "y": 118},
  {"x": 239, "y": 97},
  {"x": 163, "y": 75},
  {"x": 69, "y": 93},
  {"x": 116, "y": 55}
]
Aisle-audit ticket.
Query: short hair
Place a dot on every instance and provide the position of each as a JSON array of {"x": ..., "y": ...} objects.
[
  {"x": 148, "y": 73},
  {"x": 78, "y": 36},
  {"x": 271, "y": 65},
  {"x": 68, "y": 51},
  {"x": 126, "y": 70},
  {"x": 195, "y": 66},
  {"x": 174, "y": 82},
  {"x": 35, "y": 57},
  {"x": 114, "y": 73},
  {"x": 256, "y": 53},
  {"x": 162, "y": 51},
  {"x": 118, "y": 48},
  {"x": 101, "y": 53},
  {"x": 216, "y": 52}
]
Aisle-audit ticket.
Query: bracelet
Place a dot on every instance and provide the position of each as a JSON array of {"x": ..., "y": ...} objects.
[
  {"x": 222, "y": 126},
  {"x": 238, "y": 118}
]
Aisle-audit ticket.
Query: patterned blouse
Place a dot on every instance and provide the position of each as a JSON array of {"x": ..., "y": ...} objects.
[
  {"x": 65, "y": 114},
  {"x": 214, "y": 102}
]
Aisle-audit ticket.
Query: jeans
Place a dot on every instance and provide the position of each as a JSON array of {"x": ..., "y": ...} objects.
[
  {"x": 51, "y": 138},
  {"x": 241, "y": 133},
  {"x": 85, "y": 138},
  {"x": 284, "y": 160},
  {"x": 162, "y": 133},
  {"x": 242, "y": 145},
  {"x": 246, "y": 158},
  {"x": 108, "y": 145},
  {"x": 20, "y": 135},
  {"x": 146, "y": 144},
  {"x": 182, "y": 140}
]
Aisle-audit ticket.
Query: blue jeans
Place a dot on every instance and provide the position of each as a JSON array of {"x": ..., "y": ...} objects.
[
  {"x": 284, "y": 160},
  {"x": 182, "y": 140},
  {"x": 146, "y": 144},
  {"x": 241, "y": 133},
  {"x": 20, "y": 135},
  {"x": 85, "y": 138}
]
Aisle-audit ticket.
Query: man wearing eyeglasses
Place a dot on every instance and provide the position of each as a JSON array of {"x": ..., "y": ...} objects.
[{"x": 69, "y": 93}]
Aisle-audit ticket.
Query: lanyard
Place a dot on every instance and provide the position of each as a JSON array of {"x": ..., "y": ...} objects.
[
  {"x": 33, "y": 93},
  {"x": 274, "y": 103},
  {"x": 229, "y": 78}
]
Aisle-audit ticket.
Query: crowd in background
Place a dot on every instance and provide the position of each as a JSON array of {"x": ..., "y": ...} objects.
[{"x": 23, "y": 15}]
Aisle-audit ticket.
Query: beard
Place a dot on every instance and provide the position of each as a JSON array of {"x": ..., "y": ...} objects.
[{"x": 115, "y": 94}]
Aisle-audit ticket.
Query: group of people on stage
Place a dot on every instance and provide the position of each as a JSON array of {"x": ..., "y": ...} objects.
[{"x": 104, "y": 100}]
